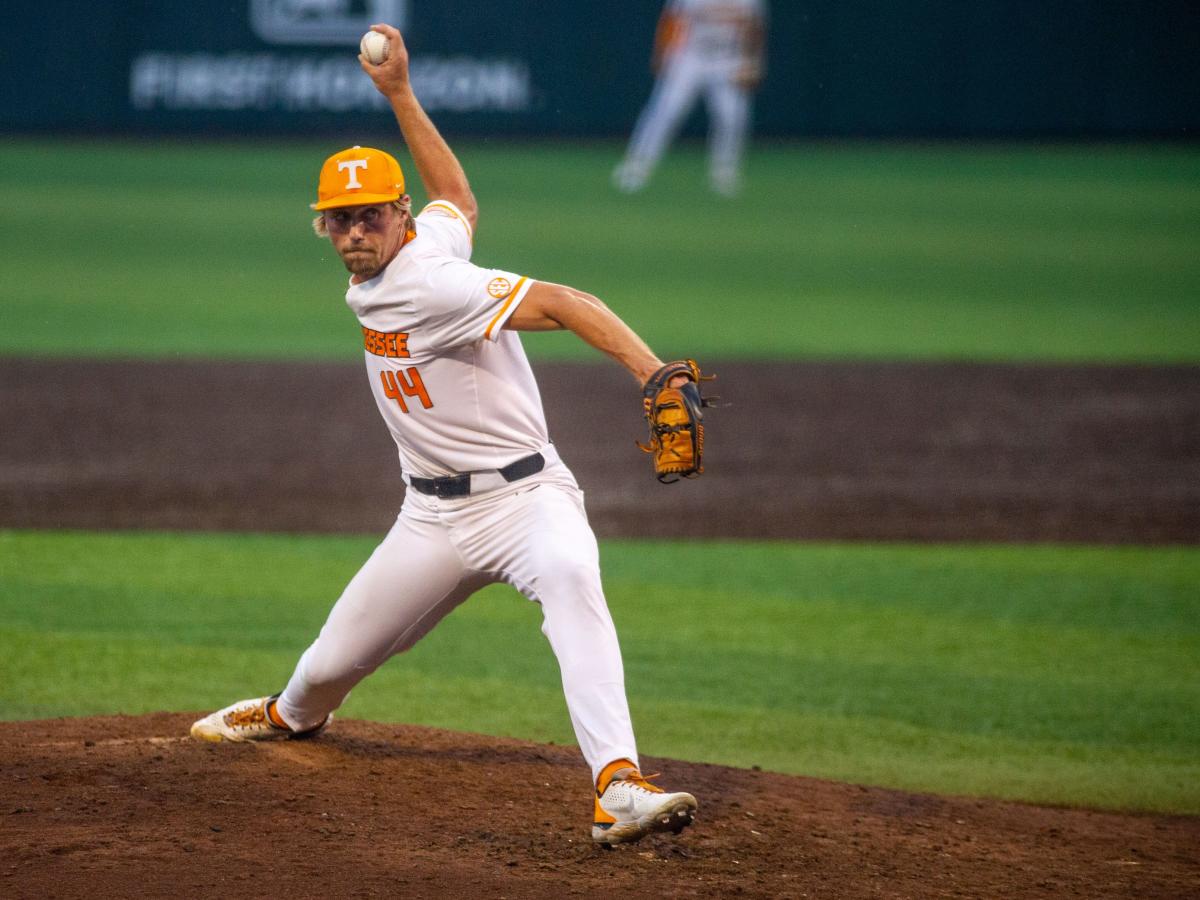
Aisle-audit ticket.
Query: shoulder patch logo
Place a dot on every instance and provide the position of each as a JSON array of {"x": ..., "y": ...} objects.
[{"x": 499, "y": 287}]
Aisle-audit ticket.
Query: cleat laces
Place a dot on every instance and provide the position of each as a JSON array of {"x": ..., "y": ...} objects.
[
  {"x": 637, "y": 779},
  {"x": 247, "y": 717}
]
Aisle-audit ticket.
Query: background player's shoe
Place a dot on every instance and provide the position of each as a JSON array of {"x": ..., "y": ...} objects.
[
  {"x": 247, "y": 720},
  {"x": 725, "y": 182},
  {"x": 630, "y": 807},
  {"x": 630, "y": 177}
]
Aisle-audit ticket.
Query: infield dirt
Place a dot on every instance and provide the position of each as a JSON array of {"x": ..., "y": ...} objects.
[
  {"x": 128, "y": 807},
  {"x": 943, "y": 452}
]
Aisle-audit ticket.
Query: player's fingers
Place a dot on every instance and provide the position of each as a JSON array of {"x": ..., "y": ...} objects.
[
  {"x": 396, "y": 46},
  {"x": 388, "y": 31}
]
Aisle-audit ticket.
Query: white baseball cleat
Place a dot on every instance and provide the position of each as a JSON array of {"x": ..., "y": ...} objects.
[
  {"x": 630, "y": 177},
  {"x": 725, "y": 183},
  {"x": 247, "y": 720},
  {"x": 630, "y": 807}
]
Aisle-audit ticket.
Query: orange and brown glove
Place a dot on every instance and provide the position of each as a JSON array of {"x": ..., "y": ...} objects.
[{"x": 675, "y": 420}]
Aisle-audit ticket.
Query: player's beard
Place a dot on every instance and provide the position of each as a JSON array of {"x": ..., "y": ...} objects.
[{"x": 364, "y": 263}]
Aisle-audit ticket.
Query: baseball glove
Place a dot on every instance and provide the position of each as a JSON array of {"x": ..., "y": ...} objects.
[{"x": 675, "y": 420}]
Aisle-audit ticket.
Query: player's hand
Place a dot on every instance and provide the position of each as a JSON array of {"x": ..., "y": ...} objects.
[{"x": 391, "y": 75}]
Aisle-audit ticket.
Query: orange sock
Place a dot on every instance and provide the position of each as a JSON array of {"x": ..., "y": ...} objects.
[{"x": 273, "y": 715}]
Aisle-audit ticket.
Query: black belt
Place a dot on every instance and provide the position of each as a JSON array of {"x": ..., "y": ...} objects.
[{"x": 460, "y": 485}]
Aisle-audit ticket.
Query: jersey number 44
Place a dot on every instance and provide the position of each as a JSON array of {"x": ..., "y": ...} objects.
[{"x": 405, "y": 383}]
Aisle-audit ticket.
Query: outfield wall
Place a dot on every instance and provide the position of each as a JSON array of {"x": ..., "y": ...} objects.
[{"x": 937, "y": 68}]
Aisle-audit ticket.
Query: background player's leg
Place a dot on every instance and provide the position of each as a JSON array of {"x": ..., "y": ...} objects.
[
  {"x": 673, "y": 95},
  {"x": 548, "y": 552},
  {"x": 729, "y": 120},
  {"x": 412, "y": 580}
]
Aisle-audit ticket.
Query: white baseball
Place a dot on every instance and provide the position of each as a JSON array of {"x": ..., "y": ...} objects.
[{"x": 374, "y": 47}]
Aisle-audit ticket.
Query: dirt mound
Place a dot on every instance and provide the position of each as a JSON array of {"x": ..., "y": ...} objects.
[
  {"x": 816, "y": 450},
  {"x": 129, "y": 806}
]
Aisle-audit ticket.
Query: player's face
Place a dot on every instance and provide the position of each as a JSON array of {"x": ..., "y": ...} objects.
[{"x": 365, "y": 237}]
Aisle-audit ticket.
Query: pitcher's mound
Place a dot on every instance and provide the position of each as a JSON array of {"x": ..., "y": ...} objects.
[{"x": 130, "y": 806}]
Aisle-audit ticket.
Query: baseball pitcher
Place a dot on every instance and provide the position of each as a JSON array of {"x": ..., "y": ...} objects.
[
  {"x": 714, "y": 47},
  {"x": 488, "y": 499}
]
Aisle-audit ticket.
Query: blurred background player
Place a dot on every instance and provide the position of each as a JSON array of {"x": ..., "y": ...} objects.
[{"x": 710, "y": 46}]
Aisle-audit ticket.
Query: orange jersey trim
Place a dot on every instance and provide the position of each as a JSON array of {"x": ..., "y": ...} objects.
[
  {"x": 512, "y": 295},
  {"x": 443, "y": 205}
]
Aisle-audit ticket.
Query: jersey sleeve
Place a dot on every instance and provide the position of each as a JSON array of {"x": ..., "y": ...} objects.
[
  {"x": 466, "y": 303},
  {"x": 447, "y": 226}
]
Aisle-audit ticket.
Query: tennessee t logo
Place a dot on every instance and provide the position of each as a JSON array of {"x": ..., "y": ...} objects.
[{"x": 352, "y": 165}]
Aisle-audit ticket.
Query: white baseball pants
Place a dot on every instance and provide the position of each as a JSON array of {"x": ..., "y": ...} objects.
[
  {"x": 532, "y": 534},
  {"x": 674, "y": 94}
]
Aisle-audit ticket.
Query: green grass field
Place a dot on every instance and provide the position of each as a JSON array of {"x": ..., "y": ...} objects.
[
  {"x": 1054, "y": 674},
  {"x": 897, "y": 251}
]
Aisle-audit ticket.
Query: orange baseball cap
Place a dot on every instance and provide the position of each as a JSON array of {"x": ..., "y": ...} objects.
[{"x": 358, "y": 176}]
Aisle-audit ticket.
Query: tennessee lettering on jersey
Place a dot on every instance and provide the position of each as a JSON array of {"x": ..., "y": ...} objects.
[{"x": 385, "y": 343}]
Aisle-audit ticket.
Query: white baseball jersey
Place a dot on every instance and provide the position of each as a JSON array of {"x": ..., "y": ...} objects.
[
  {"x": 453, "y": 386},
  {"x": 713, "y": 29},
  {"x": 458, "y": 395}
]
